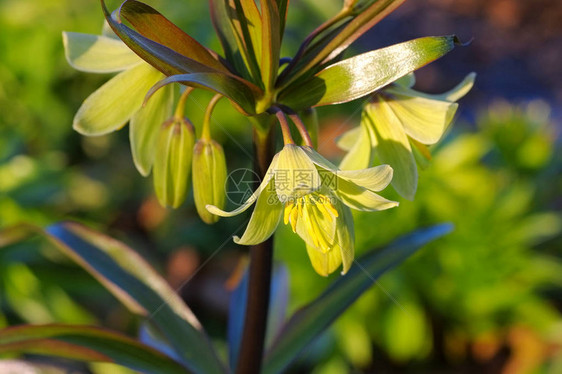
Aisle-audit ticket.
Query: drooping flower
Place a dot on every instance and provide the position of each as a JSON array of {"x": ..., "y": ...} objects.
[
  {"x": 397, "y": 125},
  {"x": 120, "y": 99},
  {"x": 314, "y": 197}
]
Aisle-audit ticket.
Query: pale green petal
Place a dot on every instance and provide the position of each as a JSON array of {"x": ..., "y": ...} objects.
[
  {"x": 345, "y": 237},
  {"x": 423, "y": 119},
  {"x": 113, "y": 104},
  {"x": 374, "y": 179},
  {"x": 145, "y": 125},
  {"x": 319, "y": 160},
  {"x": 265, "y": 218},
  {"x": 360, "y": 155},
  {"x": 97, "y": 54},
  {"x": 360, "y": 198},
  {"x": 407, "y": 81},
  {"x": 459, "y": 90},
  {"x": 295, "y": 174},
  {"x": 242, "y": 208},
  {"x": 324, "y": 263},
  {"x": 348, "y": 139},
  {"x": 393, "y": 147},
  {"x": 455, "y": 94},
  {"x": 106, "y": 30},
  {"x": 421, "y": 154}
]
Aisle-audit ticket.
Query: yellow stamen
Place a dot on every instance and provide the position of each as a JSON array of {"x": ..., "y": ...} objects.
[
  {"x": 318, "y": 214},
  {"x": 288, "y": 210}
]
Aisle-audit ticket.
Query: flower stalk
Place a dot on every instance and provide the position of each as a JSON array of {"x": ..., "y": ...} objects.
[{"x": 259, "y": 285}]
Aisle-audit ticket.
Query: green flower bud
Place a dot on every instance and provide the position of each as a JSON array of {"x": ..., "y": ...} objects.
[
  {"x": 172, "y": 163},
  {"x": 209, "y": 178}
]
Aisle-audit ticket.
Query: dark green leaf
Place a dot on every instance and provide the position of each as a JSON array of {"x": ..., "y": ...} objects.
[
  {"x": 245, "y": 21},
  {"x": 90, "y": 344},
  {"x": 239, "y": 93},
  {"x": 361, "y": 75},
  {"x": 154, "y": 26},
  {"x": 309, "y": 322},
  {"x": 229, "y": 41},
  {"x": 138, "y": 286},
  {"x": 283, "y": 7}
]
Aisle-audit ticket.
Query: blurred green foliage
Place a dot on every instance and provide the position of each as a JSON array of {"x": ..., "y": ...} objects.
[{"x": 495, "y": 283}]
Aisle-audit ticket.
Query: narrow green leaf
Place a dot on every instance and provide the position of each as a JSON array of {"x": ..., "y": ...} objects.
[
  {"x": 312, "y": 320},
  {"x": 161, "y": 57},
  {"x": 364, "y": 20},
  {"x": 246, "y": 20},
  {"x": 270, "y": 43},
  {"x": 240, "y": 94},
  {"x": 154, "y": 26},
  {"x": 283, "y": 9},
  {"x": 363, "y": 74},
  {"x": 137, "y": 285},
  {"x": 333, "y": 41},
  {"x": 220, "y": 11},
  {"x": 90, "y": 344},
  {"x": 238, "y": 24}
]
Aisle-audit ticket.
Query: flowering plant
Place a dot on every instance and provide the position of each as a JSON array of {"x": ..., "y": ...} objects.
[{"x": 155, "y": 59}]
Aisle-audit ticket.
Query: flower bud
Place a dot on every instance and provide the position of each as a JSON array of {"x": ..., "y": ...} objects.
[
  {"x": 172, "y": 163},
  {"x": 209, "y": 178}
]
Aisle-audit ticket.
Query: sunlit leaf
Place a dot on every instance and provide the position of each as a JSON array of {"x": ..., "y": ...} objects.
[
  {"x": 90, "y": 344},
  {"x": 270, "y": 43},
  {"x": 332, "y": 42},
  {"x": 220, "y": 11},
  {"x": 161, "y": 57},
  {"x": 312, "y": 320},
  {"x": 238, "y": 23},
  {"x": 363, "y": 74},
  {"x": 154, "y": 26},
  {"x": 240, "y": 94},
  {"x": 360, "y": 24}
]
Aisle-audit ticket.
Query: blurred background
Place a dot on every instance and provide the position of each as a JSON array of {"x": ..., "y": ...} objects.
[{"x": 486, "y": 298}]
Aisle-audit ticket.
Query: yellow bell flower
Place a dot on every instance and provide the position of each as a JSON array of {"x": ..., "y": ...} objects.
[
  {"x": 314, "y": 197},
  {"x": 396, "y": 125}
]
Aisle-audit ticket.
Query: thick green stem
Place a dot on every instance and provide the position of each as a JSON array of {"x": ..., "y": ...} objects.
[{"x": 261, "y": 259}]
